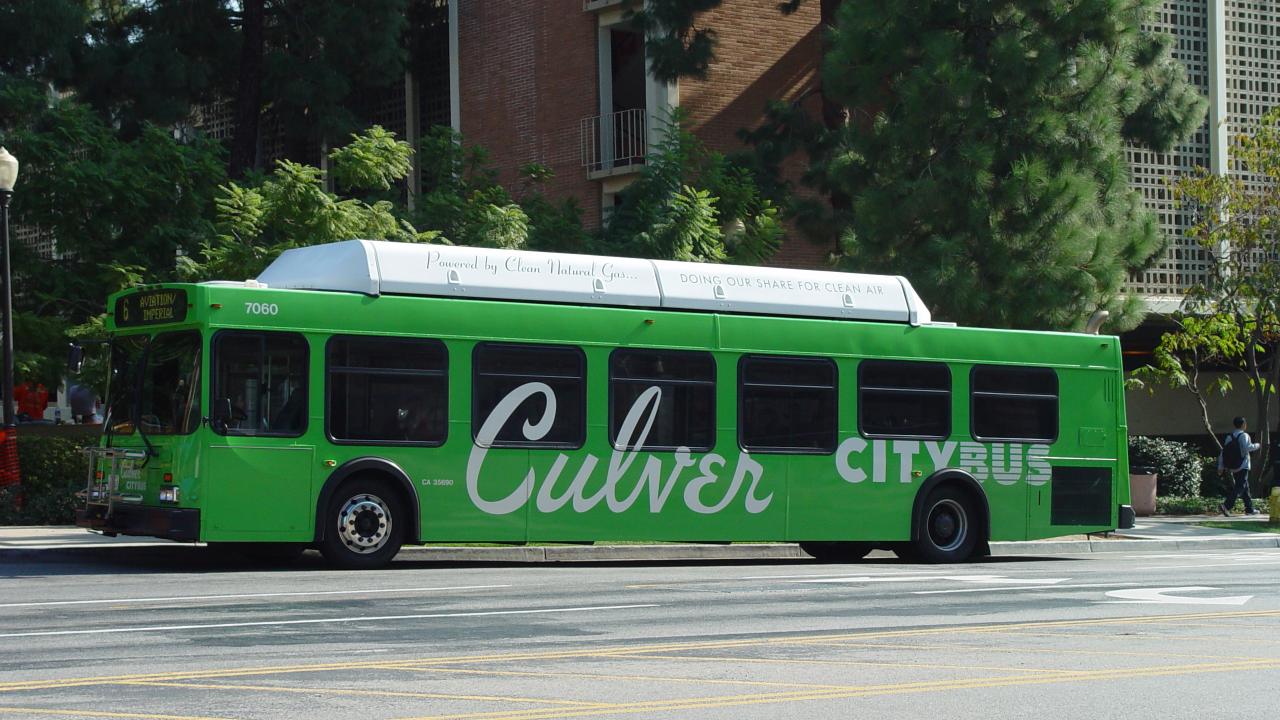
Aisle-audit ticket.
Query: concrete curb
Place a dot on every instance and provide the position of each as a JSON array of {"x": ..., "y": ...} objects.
[
  {"x": 681, "y": 552},
  {"x": 1051, "y": 547}
]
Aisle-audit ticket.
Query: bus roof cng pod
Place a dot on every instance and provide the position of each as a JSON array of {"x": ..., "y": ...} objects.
[{"x": 361, "y": 395}]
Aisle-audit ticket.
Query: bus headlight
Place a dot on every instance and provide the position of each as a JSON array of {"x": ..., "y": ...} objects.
[{"x": 169, "y": 493}]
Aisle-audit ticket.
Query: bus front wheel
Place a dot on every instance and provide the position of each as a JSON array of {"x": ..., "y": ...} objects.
[
  {"x": 948, "y": 527},
  {"x": 365, "y": 524}
]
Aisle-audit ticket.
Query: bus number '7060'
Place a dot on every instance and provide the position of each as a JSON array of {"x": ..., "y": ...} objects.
[{"x": 253, "y": 308}]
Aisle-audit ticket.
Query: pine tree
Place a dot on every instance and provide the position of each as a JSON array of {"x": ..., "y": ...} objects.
[
  {"x": 978, "y": 147},
  {"x": 985, "y": 157}
]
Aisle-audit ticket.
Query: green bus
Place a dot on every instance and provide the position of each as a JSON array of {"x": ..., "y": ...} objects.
[{"x": 361, "y": 395}]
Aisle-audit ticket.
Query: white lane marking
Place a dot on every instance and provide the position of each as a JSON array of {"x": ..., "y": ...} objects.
[
  {"x": 1022, "y": 587},
  {"x": 1161, "y": 595},
  {"x": 246, "y": 596},
  {"x": 1216, "y": 566},
  {"x": 985, "y": 579},
  {"x": 827, "y": 575},
  {"x": 317, "y": 621},
  {"x": 1243, "y": 554}
]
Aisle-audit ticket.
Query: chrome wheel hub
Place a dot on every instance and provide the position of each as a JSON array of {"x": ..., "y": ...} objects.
[{"x": 364, "y": 523}]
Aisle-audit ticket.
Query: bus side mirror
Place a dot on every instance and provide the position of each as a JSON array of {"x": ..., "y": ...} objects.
[
  {"x": 75, "y": 358},
  {"x": 221, "y": 417}
]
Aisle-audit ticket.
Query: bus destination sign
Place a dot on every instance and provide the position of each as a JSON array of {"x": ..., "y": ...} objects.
[{"x": 151, "y": 307}]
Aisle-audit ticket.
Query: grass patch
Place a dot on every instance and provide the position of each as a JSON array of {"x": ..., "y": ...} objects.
[{"x": 1250, "y": 526}]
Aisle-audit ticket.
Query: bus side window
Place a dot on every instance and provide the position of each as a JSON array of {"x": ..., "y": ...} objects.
[
  {"x": 685, "y": 381},
  {"x": 904, "y": 399},
  {"x": 500, "y": 368},
  {"x": 786, "y": 404},
  {"x": 1014, "y": 403},
  {"x": 263, "y": 376},
  {"x": 387, "y": 390}
]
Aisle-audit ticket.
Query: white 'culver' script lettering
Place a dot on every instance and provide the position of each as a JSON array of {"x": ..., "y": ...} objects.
[{"x": 700, "y": 493}]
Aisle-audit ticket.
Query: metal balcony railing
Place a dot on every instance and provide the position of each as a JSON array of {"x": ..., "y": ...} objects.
[{"x": 613, "y": 141}]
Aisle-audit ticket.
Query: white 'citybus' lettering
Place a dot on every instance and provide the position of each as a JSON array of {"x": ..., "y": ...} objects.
[{"x": 1006, "y": 463}]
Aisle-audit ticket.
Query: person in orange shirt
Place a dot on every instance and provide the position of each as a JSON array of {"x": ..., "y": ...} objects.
[
  {"x": 21, "y": 393},
  {"x": 39, "y": 402}
]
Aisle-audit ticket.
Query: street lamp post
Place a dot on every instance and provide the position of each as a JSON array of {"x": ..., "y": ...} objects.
[{"x": 8, "y": 176}]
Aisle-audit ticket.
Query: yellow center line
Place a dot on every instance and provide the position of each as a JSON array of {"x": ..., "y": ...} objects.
[
  {"x": 1048, "y": 651},
  {"x": 363, "y": 693},
  {"x": 1140, "y": 635},
  {"x": 841, "y": 663},
  {"x": 870, "y": 691},
  {"x": 637, "y": 678},
  {"x": 596, "y": 651}
]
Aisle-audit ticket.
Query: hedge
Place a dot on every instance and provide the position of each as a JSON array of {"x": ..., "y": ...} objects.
[
  {"x": 1179, "y": 466},
  {"x": 53, "y": 470}
]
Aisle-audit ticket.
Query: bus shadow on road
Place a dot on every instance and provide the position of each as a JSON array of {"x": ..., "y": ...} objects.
[{"x": 188, "y": 559}]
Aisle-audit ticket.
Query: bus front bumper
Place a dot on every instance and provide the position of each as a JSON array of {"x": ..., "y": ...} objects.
[
  {"x": 1127, "y": 517},
  {"x": 170, "y": 523}
]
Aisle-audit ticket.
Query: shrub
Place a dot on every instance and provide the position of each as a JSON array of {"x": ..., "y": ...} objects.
[
  {"x": 1186, "y": 505},
  {"x": 53, "y": 469},
  {"x": 1178, "y": 465}
]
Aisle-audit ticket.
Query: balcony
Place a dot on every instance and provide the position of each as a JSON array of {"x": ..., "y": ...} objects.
[
  {"x": 614, "y": 144},
  {"x": 597, "y": 5}
]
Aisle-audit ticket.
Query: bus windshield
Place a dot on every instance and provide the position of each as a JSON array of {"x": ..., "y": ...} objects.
[{"x": 155, "y": 381}]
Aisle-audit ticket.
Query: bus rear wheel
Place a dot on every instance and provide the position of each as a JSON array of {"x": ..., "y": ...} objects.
[
  {"x": 948, "y": 527},
  {"x": 364, "y": 525},
  {"x": 837, "y": 552}
]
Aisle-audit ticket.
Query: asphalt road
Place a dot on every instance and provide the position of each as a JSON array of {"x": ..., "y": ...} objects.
[{"x": 172, "y": 633}]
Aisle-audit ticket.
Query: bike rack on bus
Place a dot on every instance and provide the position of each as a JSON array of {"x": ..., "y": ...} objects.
[{"x": 102, "y": 488}]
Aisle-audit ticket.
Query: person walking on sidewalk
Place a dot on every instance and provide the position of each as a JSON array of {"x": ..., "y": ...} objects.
[{"x": 1234, "y": 459}]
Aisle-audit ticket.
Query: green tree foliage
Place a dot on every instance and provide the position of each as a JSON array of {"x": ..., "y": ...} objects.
[
  {"x": 675, "y": 45},
  {"x": 150, "y": 61},
  {"x": 461, "y": 197},
  {"x": 1236, "y": 220},
  {"x": 95, "y": 98},
  {"x": 38, "y": 36},
  {"x": 53, "y": 469},
  {"x": 1180, "y": 358},
  {"x": 110, "y": 203},
  {"x": 291, "y": 208},
  {"x": 323, "y": 54},
  {"x": 694, "y": 204},
  {"x": 978, "y": 147},
  {"x": 986, "y": 157}
]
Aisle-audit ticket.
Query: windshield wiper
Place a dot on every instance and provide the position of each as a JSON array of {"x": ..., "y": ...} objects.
[{"x": 137, "y": 404}]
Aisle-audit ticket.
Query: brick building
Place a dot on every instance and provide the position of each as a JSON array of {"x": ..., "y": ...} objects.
[{"x": 564, "y": 83}]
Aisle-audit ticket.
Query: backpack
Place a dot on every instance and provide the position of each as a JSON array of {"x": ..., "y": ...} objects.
[{"x": 1232, "y": 455}]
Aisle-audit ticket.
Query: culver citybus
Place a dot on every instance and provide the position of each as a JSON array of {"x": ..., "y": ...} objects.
[{"x": 361, "y": 395}]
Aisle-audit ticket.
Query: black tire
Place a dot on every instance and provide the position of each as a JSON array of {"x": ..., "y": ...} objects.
[
  {"x": 364, "y": 525},
  {"x": 837, "y": 552},
  {"x": 948, "y": 527}
]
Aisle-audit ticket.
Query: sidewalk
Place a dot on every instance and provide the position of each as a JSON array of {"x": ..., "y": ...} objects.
[{"x": 1151, "y": 534}]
